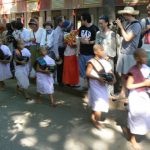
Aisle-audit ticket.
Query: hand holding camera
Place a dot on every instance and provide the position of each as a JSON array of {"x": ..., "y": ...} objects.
[
  {"x": 108, "y": 77},
  {"x": 119, "y": 21}
]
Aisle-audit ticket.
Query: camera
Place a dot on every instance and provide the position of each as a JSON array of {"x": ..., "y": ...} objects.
[
  {"x": 107, "y": 76},
  {"x": 121, "y": 18}
]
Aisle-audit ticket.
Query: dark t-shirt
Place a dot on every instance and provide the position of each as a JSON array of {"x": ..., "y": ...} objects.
[{"x": 87, "y": 32}]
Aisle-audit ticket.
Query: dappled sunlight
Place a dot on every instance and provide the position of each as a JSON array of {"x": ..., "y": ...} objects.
[
  {"x": 13, "y": 137},
  {"x": 112, "y": 124},
  {"x": 3, "y": 106},
  {"x": 28, "y": 141},
  {"x": 74, "y": 144},
  {"x": 18, "y": 123},
  {"x": 75, "y": 121},
  {"x": 45, "y": 123},
  {"x": 53, "y": 138},
  {"x": 29, "y": 131},
  {"x": 99, "y": 145},
  {"x": 68, "y": 127},
  {"x": 106, "y": 134},
  {"x": 43, "y": 147}
]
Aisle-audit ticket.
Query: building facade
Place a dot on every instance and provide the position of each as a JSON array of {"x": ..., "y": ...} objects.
[{"x": 71, "y": 9}]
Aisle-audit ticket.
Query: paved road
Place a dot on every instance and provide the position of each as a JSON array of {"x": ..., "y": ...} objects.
[{"x": 40, "y": 127}]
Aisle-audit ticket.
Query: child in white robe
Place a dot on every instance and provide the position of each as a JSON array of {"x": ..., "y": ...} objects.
[
  {"x": 22, "y": 59},
  {"x": 5, "y": 59},
  {"x": 138, "y": 83},
  {"x": 44, "y": 76},
  {"x": 98, "y": 92}
]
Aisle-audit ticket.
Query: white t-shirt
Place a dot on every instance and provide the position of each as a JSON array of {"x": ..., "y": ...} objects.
[{"x": 40, "y": 36}]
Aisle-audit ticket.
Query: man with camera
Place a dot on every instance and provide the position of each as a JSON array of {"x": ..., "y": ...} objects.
[{"x": 131, "y": 35}]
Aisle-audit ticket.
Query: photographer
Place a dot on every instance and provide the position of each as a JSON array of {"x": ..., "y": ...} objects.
[{"x": 131, "y": 35}]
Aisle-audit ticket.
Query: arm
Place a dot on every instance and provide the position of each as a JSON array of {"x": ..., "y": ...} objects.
[
  {"x": 127, "y": 36},
  {"x": 6, "y": 61},
  {"x": 20, "y": 62},
  {"x": 145, "y": 27},
  {"x": 88, "y": 74},
  {"x": 56, "y": 39},
  {"x": 114, "y": 79},
  {"x": 97, "y": 37},
  {"x": 130, "y": 83},
  {"x": 43, "y": 38},
  {"x": 38, "y": 69}
]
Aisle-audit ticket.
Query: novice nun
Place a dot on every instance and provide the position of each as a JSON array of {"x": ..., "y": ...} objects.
[
  {"x": 5, "y": 58},
  {"x": 138, "y": 83},
  {"x": 44, "y": 75},
  {"x": 22, "y": 58}
]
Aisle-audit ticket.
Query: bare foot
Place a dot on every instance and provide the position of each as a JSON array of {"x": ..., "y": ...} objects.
[
  {"x": 96, "y": 124},
  {"x": 136, "y": 146},
  {"x": 126, "y": 133},
  {"x": 18, "y": 90}
]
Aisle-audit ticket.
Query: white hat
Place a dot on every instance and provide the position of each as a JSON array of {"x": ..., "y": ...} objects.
[{"x": 129, "y": 10}]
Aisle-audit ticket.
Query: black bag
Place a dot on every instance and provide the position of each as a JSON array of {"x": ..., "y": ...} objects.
[
  {"x": 3, "y": 56},
  {"x": 21, "y": 58},
  {"x": 43, "y": 65},
  {"x": 109, "y": 77}
]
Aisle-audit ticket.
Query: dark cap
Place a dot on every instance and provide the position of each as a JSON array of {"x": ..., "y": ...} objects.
[
  {"x": 104, "y": 18},
  {"x": 67, "y": 24},
  {"x": 32, "y": 22}
]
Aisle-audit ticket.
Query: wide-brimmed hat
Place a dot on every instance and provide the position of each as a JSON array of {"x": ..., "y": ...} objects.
[
  {"x": 129, "y": 10},
  {"x": 32, "y": 22}
]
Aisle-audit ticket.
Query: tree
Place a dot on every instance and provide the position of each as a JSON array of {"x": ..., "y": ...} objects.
[{"x": 109, "y": 8}]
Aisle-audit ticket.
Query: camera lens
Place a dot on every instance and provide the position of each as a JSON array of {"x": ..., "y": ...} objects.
[{"x": 114, "y": 23}]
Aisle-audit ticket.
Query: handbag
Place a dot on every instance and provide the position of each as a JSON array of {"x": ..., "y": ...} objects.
[{"x": 3, "y": 56}]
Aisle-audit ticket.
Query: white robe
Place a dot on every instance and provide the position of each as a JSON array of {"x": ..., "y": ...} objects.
[
  {"x": 44, "y": 82},
  {"x": 139, "y": 108},
  {"x": 98, "y": 93},
  {"x": 5, "y": 72},
  {"x": 22, "y": 71}
]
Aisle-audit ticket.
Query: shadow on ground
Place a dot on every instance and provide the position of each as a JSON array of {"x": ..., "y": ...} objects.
[{"x": 66, "y": 127}]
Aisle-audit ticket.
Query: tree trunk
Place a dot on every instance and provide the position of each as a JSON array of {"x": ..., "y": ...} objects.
[{"x": 109, "y": 9}]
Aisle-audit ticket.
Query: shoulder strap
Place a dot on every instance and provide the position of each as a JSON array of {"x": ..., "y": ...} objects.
[
  {"x": 100, "y": 63},
  {"x": 95, "y": 67},
  {"x": 133, "y": 22}
]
